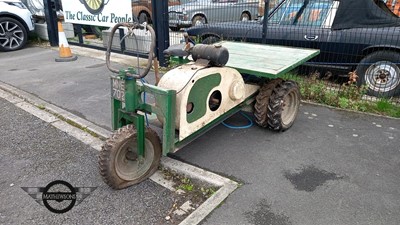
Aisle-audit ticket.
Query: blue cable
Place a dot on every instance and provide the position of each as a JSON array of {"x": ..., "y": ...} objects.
[
  {"x": 240, "y": 127},
  {"x": 144, "y": 100}
]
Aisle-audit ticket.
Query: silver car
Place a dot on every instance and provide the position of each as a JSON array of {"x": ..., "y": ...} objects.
[
  {"x": 15, "y": 24},
  {"x": 198, "y": 12}
]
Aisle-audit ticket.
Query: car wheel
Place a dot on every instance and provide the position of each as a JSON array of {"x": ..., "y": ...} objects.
[
  {"x": 13, "y": 35},
  {"x": 210, "y": 40},
  {"x": 198, "y": 20},
  {"x": 244, "y": 17},
  {"x": 144, "y": 17},
  {"x": 380, "y": 72}
]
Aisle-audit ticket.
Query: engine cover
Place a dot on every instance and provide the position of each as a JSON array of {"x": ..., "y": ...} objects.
[{"x": 203, "y": 94}]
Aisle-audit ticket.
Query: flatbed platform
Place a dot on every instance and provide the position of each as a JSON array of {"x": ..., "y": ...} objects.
[{"x": 269, "y": 61}]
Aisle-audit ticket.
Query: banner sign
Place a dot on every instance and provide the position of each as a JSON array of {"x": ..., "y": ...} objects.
[{"x": 104, "y": 13}]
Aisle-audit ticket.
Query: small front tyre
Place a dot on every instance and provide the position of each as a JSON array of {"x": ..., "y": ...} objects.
[{"x": 119, "y": 163}]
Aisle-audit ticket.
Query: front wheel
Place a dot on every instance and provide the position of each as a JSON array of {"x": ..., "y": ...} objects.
[
  {"x": 380, "y": 72},
  {"x": 119, "y": 163},
  {"x": 13, "y": 35}
]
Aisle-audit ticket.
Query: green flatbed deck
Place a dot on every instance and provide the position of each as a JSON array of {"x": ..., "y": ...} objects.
[{"x": 269, "y": 61}]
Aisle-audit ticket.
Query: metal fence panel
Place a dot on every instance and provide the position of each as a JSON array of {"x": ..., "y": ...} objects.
[{"x": 359, "y": 40}]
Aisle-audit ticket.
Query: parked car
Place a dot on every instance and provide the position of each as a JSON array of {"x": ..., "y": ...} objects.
[
  {"x": 198, "y": 12},
  {"x": 394, "y": 5},
  {"x": 350, "y": 37},
  {"x": 142, "y": 9},
  {"x": 15, "y": 23}
]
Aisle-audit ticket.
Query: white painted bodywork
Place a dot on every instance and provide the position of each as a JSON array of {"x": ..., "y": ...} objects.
[
  {"x": 18, "y": 9},
  {"x": 232, "y": 87}
]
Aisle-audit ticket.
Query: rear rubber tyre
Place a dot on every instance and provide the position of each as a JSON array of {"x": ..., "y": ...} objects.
[
  {"x": 13, "y": 34},
  {"x": 198, "y": 20},
  {"x": 119, "y": 164},
  {"x": 262, "y": 101},
  {"x": 380, "y": 72},
  {"x": 283, "y": 106}
]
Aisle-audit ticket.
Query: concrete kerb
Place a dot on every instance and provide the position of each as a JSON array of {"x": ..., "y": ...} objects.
[
  {"x": 56, "y": 111},
  {"x": 61, "y": 119}
]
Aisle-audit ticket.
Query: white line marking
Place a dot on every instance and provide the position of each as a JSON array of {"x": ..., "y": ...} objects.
[
  {"x": 41, "y": 114},
  {"x": 79, "y": 134}
]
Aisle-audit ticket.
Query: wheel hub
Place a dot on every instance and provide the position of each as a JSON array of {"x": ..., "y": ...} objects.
[
  {"x": 383, "y": 76},
  {"x": 132, "y": 156},
  {"x": 129, "y": 165}
]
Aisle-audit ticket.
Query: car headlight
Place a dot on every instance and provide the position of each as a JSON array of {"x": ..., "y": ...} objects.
[{"x": 17, "y": 4}]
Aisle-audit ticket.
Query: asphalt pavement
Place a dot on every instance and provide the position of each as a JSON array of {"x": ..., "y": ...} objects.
[
  {"x": 331, "y": 167},
  {"x": 34, "y": 153}
]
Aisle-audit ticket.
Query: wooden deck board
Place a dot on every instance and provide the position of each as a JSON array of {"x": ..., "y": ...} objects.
[{"x": 265, "y": 60}]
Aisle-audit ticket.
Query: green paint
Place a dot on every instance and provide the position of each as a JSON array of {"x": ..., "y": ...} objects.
[
  {"x": 139, "y": 124},
  {"x": 169, "y": 122},
  {"x": 165, "y": 107},
  {"x": 115, "y": 107},
  {"x": 199, "y": 95}
]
